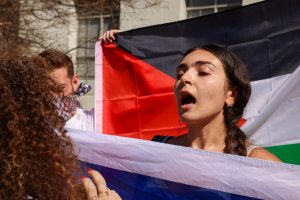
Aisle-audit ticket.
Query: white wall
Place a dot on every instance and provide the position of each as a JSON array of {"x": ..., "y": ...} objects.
[
  {"x": 144, "y": 15},
  {"x": 247, "y": 2},
  {"x": 138, "y": 14}
]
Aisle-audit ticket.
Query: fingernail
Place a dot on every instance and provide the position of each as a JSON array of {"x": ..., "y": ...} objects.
[
  {"x": 89, "y": 170},
  {"x": 82, "y": 177}
]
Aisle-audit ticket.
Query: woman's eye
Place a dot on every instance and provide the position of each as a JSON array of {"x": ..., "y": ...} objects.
[
  {"x": 179, "y": 75},
  {"x": 203, "y": 73}
]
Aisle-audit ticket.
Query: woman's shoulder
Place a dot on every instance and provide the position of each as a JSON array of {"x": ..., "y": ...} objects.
[{"x": 260, "y": 153}]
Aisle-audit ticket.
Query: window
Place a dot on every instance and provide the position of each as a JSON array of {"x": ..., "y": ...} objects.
[
  {"x": 90, "y": 28},
  {"x": 94, "y": 18},
  {"x": 197, "y": 8}
]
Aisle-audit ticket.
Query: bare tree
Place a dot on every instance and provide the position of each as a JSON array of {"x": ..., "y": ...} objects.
[
  {"x": 9, "y": 23},
  {"x": 34, "y": 25}
]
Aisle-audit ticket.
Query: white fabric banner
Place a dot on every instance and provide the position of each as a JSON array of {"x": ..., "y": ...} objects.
[{"x": 218, "y": 171}]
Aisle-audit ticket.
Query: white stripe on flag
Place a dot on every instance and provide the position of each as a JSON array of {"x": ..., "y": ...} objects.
[
  {"x": 273, "y": 112},
  {"x": 227, "y": 173},
  {"x": 98, "y": 87}
]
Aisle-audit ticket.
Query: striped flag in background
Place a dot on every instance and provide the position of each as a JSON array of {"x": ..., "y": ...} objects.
[{"x": 135, "y": 76}]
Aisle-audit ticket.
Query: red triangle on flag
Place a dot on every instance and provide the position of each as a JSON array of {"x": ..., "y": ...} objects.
[{"x": 138, "y": 99}]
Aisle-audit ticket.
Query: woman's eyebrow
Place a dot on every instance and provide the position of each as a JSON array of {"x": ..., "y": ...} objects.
[{"x": 200, "y": 62}]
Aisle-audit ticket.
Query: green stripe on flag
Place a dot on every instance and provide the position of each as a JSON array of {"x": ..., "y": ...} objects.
[{"x": 289, "y": 153}]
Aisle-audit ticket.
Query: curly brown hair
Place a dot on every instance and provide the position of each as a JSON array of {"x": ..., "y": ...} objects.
[{"x": 37, "y": 157}]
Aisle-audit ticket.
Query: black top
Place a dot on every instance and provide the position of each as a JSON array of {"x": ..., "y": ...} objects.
[{"x": 161, "y": 138}]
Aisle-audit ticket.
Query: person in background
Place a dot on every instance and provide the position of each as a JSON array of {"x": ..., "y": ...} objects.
[
  {"x": 212, "y": 89},
  {"x": 60, "y": 67}
]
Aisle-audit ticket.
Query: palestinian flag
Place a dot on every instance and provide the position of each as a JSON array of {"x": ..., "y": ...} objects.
[{"x": 135, "y": 75}]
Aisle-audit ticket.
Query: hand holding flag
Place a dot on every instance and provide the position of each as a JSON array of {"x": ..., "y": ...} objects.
[{"x": 97, "y": 189}]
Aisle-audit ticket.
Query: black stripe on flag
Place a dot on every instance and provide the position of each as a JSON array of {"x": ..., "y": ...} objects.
[{"x": 265, "y": 35}]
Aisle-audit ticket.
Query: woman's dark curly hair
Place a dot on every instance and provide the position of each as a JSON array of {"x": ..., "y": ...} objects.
[
  {"x": 37, "y": 158},
  {"x": 238, "y": 79}
]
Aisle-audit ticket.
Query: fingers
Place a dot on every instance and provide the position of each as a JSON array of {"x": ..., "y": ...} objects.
[
  {"x": 90, "y": 188},
  {"x": 106, "y": 37},
  {"x": 99, "y": 181},
  {"x": 109, "y": 36},
  {"x": 97, "y": 189}
]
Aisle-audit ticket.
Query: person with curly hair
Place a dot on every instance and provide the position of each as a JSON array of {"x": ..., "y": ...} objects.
[{"x": 37, "y": 157}]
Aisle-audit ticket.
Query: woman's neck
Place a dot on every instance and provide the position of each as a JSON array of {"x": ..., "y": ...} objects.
[{"x": 208, "y": 136}]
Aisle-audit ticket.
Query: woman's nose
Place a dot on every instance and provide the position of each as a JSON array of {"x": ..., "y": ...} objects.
[{"x": 186, "y": 78}]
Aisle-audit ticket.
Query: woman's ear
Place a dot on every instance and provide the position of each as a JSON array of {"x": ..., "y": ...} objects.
[{"x": 230, "y": 97}]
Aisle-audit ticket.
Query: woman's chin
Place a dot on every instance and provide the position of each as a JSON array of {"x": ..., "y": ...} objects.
[
  {"x": 192, "y": 118},
  {"x": 187, "y": 118}
]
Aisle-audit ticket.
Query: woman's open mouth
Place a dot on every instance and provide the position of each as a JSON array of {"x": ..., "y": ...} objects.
[{"x": 187, "y": 101}]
